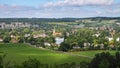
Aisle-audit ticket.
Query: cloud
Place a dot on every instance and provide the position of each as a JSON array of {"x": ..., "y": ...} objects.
[
  {"x": 98, "y": 12},
  {"x": 78, "y": 3},
  {"x": 63, "y": 8},
  {"x": 15, "y": 7},
  {"x": 114, "y": 11}
]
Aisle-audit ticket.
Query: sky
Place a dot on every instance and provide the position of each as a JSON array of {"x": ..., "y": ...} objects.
[{"x": 59, "y": 8}]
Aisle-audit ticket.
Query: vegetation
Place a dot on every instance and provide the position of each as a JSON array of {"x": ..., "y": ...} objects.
[
  {"x": 101, "y": 60},
  {"x": 60, "y": 43},
  {"x": 17, "y": 53},
  {"x": 91, "y": 53},
  {"x": 105, "y": 60}
]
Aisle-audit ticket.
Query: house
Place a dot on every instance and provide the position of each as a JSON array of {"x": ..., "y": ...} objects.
[
  {"x": 59, "y": 40},
  {"x": 27, "y": 35},
  {"x": 67, "y": 34},
  {"x": 14, "y": 39},
  {"x": 110, "y": 38},
  {"x": 2, "y": 25},
  {"x": 47, "y": 44},
  {"x": 1, "y": 40},
  {"x": 111, "y": 42},
  {"x": 96, "y": 35},
  {"x": 39, "y": 35},
  {"x": 86, "y": 45},
  {"x": 14, "y": 25},
  {"x": 118, "y": 39},
  {"x": 12, "y": 36},
  {"x": 76, "y": 47}
]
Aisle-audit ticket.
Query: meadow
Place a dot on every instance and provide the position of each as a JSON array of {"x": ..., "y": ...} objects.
[
  {"x": 17, "y": 53},
  {"x": 91, "y": 54}
]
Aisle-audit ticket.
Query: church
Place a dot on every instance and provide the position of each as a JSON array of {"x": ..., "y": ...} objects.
[{"x": 56, "y": 33}]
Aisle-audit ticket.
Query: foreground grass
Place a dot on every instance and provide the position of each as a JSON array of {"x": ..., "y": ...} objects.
[{"x": 21, "y": 52}]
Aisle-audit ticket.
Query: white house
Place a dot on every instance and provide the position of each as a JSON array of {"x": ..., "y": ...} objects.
[
  {"x": 27, "y": 35},
  {"x": 47, "y": 44},
  {"x": 1, "y": 39},
  {"x": 96, "y": 35},
  {"x": 110, "y": 38},
  {"x": 118, "y": 39},
  {"x": 59, "y": 40}
]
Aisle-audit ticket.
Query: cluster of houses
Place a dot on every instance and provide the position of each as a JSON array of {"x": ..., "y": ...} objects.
[
  {"x": 59, "y": 40},
  {"x": 14, "y": 25}
]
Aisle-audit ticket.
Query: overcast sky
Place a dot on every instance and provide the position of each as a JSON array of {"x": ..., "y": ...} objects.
[{"x": 59, "y": 8}]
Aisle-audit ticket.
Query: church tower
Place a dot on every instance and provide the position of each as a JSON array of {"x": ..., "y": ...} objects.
[
  {"x": 53, "y": 31},
  {"x": 56, "y": 33}
]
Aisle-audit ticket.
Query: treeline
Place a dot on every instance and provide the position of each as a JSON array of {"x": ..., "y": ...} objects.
[
  {"x": 31, "y": 20},
  {"x": 103, "y": 18},
  {"x": 101, "y": 60}
]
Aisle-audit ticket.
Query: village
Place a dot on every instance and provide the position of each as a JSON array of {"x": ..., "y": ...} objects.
[
  {"x": 19, "y": 32},
  {"x": 59, "y": 33}
]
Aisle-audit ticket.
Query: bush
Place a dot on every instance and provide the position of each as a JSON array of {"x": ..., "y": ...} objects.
[
  {"x": 103, "y": 60},
  {"x": 31, "y": 63},
  {"x": 84, "y": 64},
  {"x": 65, "y": 47}
]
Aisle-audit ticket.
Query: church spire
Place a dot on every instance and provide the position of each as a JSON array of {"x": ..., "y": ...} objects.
[{"x": 54, "y": 30}]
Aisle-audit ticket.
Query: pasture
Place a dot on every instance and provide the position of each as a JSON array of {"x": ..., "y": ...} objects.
[
  {"x": 18, "y": 53},
  {"x": 92, "y": 53}
]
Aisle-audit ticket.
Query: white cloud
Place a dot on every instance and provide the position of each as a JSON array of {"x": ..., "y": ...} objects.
[
  {"x": 63, "y": 8},
  {"x": 113, "y": 11},
  {"x": 15, "y": 7},
  {"x": 78, "y": 3},
  {"x": 98, "y": 12}
]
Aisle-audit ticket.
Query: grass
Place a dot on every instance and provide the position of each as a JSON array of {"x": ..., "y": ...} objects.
[
  {"x": 21, "y": 52},
  {"x": 92, "y": 53}
]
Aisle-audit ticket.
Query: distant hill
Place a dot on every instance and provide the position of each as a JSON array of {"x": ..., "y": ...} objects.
[{"x": 7, "y": 20}]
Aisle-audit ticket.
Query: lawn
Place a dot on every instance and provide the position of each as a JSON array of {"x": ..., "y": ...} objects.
[
  {"x": 91, "y": 54},
  {"x": 18, "y": 53}
]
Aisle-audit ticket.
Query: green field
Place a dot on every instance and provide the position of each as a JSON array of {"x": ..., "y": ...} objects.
[
  {"x": 91, "y": 54},
  {"x": 21, "y": 52}
]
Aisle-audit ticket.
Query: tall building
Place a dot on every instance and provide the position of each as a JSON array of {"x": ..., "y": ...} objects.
[{"x": 56, "y": 33}]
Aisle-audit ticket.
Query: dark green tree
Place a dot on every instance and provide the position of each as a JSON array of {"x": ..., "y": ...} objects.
[
  {"x": 6, "y": 39},
  {"x": 65, "y": 47},
  {"x": 118, "y": 59},
  {"x": 31, "y": 63},
  {"x": 84, "y": 64},
  {"x": 1, "y": 62},
  {"x": 21, "y": 40},
  {"x": 108, "y": 60}
]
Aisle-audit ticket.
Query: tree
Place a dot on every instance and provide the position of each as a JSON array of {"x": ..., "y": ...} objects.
[
  {"x": 1, "y": 62},
  {"x": 40, "y": 42},
  {"x": 32, "y": 40},
  {"x": 65, "y": 47},
  {"x": 104, "y": 64},
  {"x": 84, "y": 64},
  {"x": 65, "y": 65},
  {"x": 31, "y": 63},
  {"x": 118, "y": 59},
  {"x": 73, "y": 65},
  {"x": 103, "y": 60},
  {"x": 49, "y": 39},
  {"x": 26, "y": 30},
  {"x": 6, "y": 39},
  {"x": 21, "y": 40}
]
